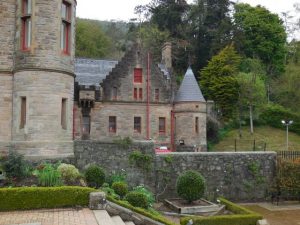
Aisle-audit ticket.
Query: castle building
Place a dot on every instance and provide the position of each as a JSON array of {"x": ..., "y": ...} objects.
[{"x": 49, "y": 99}]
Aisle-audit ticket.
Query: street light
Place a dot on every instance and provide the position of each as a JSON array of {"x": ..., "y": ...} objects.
[{"x": 287, "y": 123}]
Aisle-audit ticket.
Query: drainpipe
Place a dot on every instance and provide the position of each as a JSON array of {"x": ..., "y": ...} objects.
[
  {"x": 172, "y": 130},
  {"x": 148, "y": 97}
]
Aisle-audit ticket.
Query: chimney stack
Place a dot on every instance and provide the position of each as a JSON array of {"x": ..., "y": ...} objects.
[{"x": 167, "y": 55}]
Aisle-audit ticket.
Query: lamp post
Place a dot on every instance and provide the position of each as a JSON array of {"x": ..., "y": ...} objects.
[{"x": 287, "y": 123}]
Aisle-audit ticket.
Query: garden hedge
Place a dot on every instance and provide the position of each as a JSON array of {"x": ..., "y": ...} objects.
[
  {"x": 43, "y": 197},
  {"x": 141, "y": 211},
  {"x": 242, "y": 216}
]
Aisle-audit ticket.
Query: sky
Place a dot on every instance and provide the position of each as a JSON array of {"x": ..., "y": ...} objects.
[{"x": 124, "y": 9}]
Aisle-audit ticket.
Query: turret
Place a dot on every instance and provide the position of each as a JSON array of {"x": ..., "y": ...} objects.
[
  {"x": 190, "y": 115},
  {"x": 44, "y": 78}
]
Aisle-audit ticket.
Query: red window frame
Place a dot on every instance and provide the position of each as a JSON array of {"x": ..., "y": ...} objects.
[
  {"x": 112, "y": 124},
  {"x": 162, "y": 125},
  {"x": 66, "y": 27},
  {"x": 135, "y": 93},
  {"x": 138, "y": 75},
  {"x": 137, "y": 124},
  {"x": 156, "y": 95},
  {"x": 26, "y": 25},
  {"x": 141, "y": 94}
]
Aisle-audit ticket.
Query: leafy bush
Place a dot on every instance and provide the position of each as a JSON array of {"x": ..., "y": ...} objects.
[
  {"x": 190, "y": 185},
  {"x": 272, "y": 115},
  {"x": 147, "y": 193},
  {"x": 120, "y": 188},
  {"x": 117, "y": 177},
  {"x": 94, "y": 176},
  {"x": 48, "y": 175},
  {"x": 137, "y": 199},
  {"x": 242, "y": 216},
  {"x": 69, "y": 173},
  {"x": 43, "y": 197},
  {"x": 14, "y": 165}
]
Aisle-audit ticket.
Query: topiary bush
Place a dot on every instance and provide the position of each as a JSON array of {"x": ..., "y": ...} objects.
[
  {"x": 190, "y": 185},
  {"x": 69, "y": 173},
  {"x": 147, "y": 193},
  {"x": 94, "y": 176},
  {"x": 120, "y": 188},
  {"x": 137, "y": 199}
]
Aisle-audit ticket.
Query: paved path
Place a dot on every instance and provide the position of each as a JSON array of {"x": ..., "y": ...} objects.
[
  {"x": 66, "y": 216},
  {"x": 284, "y": 214}
]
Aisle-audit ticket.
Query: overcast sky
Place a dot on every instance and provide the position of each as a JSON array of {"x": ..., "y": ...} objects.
[{"x": 124, "y": 9}]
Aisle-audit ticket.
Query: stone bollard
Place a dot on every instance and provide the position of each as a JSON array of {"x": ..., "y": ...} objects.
[
  {"x": 97, "y": 200},
  {"x": 262, "y": 222}
]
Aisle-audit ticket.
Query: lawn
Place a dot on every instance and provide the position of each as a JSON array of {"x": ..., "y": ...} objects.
[{"x": 275, "y": 140}]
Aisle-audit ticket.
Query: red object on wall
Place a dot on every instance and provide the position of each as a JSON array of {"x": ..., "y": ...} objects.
[{"x": 138, "y": 75}]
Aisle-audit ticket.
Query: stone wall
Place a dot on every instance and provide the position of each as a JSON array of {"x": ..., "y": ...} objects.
[
  {"x": 241, "y": 176},
  {"x": 5, "y": 106}
]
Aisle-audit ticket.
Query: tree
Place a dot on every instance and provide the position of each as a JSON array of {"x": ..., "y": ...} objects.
[
  {"x": 218, "y": 80},
  {"x": 252, "y": 93},
  {"x": 260, "y": 34},
  {"x": 91, "y": 42},
  {"x": 210, "y": 29}
]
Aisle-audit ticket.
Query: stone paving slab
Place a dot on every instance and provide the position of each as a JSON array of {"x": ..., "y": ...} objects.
[{"x": 67, "y": 216}]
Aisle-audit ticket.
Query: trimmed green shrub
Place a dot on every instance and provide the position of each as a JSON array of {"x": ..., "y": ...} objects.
[
  {"x": 137, "y": 199},
  {"x": 272, "y": 115},
  {"x": 94, "y": 176},
  {"x": 14, "y": 165},
  {"x": 242, "y": 216},
  {"x": 141, "y": 211},
  {"x": 48, "y": 176},
  {"x": 120, "y": 188},
  {"x": 43, "y": 197},
  {"x": 69, "y": 173},
  {"x": 190, "y": 185},
  {"x": 147, "y": 193}
]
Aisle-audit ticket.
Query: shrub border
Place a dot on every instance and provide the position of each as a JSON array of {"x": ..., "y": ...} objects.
[
  {"x": 243, "y": 216},
  {"x": 24, "y": 198},
  {"x": 141, "y": 211}
]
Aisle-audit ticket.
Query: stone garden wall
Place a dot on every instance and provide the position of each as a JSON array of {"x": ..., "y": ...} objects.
[{"x": 240, "y": 176}]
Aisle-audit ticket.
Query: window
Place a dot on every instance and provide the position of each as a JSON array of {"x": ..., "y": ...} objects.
[
  {"x": 112, "y": 124},
  {"x": 141, "y": 94},
  {"x": 86, "y": 125},
  {"x": 156, "y": 95},
  {"x": 196, "y": 125},
  {"x": 23, "y": 113},
  {"x": 138, "y": 75},
  {"x": 26, "y": 25},
  {"x": 162, "y": 125},
  {"x": 135, "y": 93},
  {"x": 65, "y": 27},
  {"x": 64, "y": 113},
  {"x": 114, "y": 93},
  {"x": 137, "y": 124}
]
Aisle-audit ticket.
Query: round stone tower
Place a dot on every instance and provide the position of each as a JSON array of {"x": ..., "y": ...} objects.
[
  {"x": 43, "y": 79},
  {"x": 190, "y": 116}
]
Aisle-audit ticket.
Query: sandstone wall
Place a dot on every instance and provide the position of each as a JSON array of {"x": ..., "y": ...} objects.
[
  {"x": 240, "y": 176},
  {"x": 5, "y": 106}
]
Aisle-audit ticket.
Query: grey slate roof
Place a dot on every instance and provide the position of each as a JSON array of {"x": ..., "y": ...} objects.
[
  {"x": 189, "y": 90},
  {"x": 92, "y": 71}
]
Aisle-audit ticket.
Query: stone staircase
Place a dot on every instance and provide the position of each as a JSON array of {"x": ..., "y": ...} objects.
[{"x": 103, "y": 218}]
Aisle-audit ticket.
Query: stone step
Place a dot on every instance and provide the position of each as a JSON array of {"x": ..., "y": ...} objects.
[
  {"x": 129, "y": 223},
  {"x": 117, "y": 220},
  {"x": 103, "y": 217}
]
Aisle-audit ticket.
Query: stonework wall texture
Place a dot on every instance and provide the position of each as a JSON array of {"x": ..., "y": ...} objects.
[
  {"x": 5, "y": 106},
  {"x": 45, "y": 51},
  {"x": 241, "y": 176},
  {"x": 7, "y": 29}
]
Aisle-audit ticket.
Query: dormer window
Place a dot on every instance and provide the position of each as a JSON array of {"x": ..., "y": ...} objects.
[
  {"x": 138, "y": 75},
  {"x": 26, "y": 25},
  {"x": 66, "y": 27}
]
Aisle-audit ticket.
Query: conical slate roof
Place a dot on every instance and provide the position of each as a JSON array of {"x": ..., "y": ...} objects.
[{"x": 189, "y": 90}]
